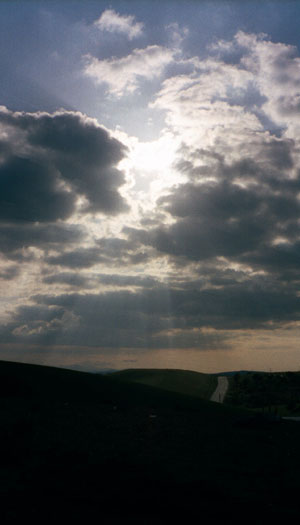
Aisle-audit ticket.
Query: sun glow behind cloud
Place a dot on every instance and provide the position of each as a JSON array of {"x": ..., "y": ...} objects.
[{"x": 150, "y": 167}]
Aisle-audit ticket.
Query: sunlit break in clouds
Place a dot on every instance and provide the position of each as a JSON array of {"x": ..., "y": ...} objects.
[{"x": 150, "y": 184}]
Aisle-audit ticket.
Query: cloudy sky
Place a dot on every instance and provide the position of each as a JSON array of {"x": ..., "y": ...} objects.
[{"x": 150, "y": 184}]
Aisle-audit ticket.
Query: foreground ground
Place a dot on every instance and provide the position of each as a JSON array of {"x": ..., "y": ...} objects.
[{"x": 77, "y": 446}]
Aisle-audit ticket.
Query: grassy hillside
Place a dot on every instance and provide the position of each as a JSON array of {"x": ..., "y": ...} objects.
[
  {"x": 181, "y": 381},
  {"x": 262, "y": 391},
  {"x": 84, "y": 447}
]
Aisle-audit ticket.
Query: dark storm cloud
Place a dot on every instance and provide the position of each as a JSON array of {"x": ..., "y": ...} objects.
[
  {"x": 86, "y": 156},
  {"x": 73, "y": 135},
  {"x": 29, "y": 191},
  {"x": 47, "y": 163},
  {"x": 155, "y": 317},
  {"x": 127, "y": 280},
  {"x": 51, "y": 160},
  {"x": 268, "y": 160},
  {"x": 94, "y": 279},
  {"x": 115, "y": 247},
  {"x": 282, "y": 259},
  {"x": 253, "y": 304},
  {"x": 219, "y": 201},
  {"x": 113, "y": 319},
  {"x": 78, "y": 258},
  {"x": 278, "y": 153},
  {"x": 234, "y": 210},
  {"x": 71, "y": 279},
  {"x": 9, "y": 273},
  {"x": 40, "y": 312},
  {"x": 13, "y": 237},
  {"x": 198, "y": 240},
  {"x": 5, "y": 149},
  {"x": 125, "y": 251},
  {"x": 109, "y": 251}
]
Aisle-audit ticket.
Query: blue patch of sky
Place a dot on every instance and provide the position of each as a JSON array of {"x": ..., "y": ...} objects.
[{"x": 42, "y": 45}]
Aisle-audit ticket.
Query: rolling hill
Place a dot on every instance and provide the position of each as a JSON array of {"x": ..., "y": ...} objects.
[
  {"x": 79, "y": 446},
  {"x": 181, "y": 381}
]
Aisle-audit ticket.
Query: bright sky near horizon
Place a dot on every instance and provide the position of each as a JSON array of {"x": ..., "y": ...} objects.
[{"x": 150, "y": 184}]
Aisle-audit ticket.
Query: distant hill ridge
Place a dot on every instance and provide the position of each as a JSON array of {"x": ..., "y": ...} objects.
[
  {"x": 25, "y": 379},
  {"x": 185, "y": 382},
  {"x": 127, "y": 388}
]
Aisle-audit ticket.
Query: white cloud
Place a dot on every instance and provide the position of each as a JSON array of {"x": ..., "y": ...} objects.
[
  {"x": 246, "y": 86},
  {"x": 275, "y": 68},
  {"x": 115, "y": 23},
  {"x": 177, "y": 33},
  {"x": 123, "y": 74},
  {"x": 207, "y": 104}
]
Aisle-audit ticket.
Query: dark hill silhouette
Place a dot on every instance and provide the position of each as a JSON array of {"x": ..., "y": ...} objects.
[{"x": 83, "y": 447}]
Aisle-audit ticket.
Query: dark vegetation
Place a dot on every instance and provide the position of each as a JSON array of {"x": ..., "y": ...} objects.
[
  {"x": 96, "y": 449},
  {"x": 277, "y": 393}
]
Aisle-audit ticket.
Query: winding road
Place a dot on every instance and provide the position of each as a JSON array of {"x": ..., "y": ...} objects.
[{"x": 220, "y": 392}]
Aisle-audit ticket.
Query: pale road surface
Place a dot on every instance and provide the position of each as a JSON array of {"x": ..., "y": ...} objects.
[{"x": 221, "y": 390}]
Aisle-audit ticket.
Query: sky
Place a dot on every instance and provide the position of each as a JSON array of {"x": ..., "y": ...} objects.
[{"x": 150, "y": 184}]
